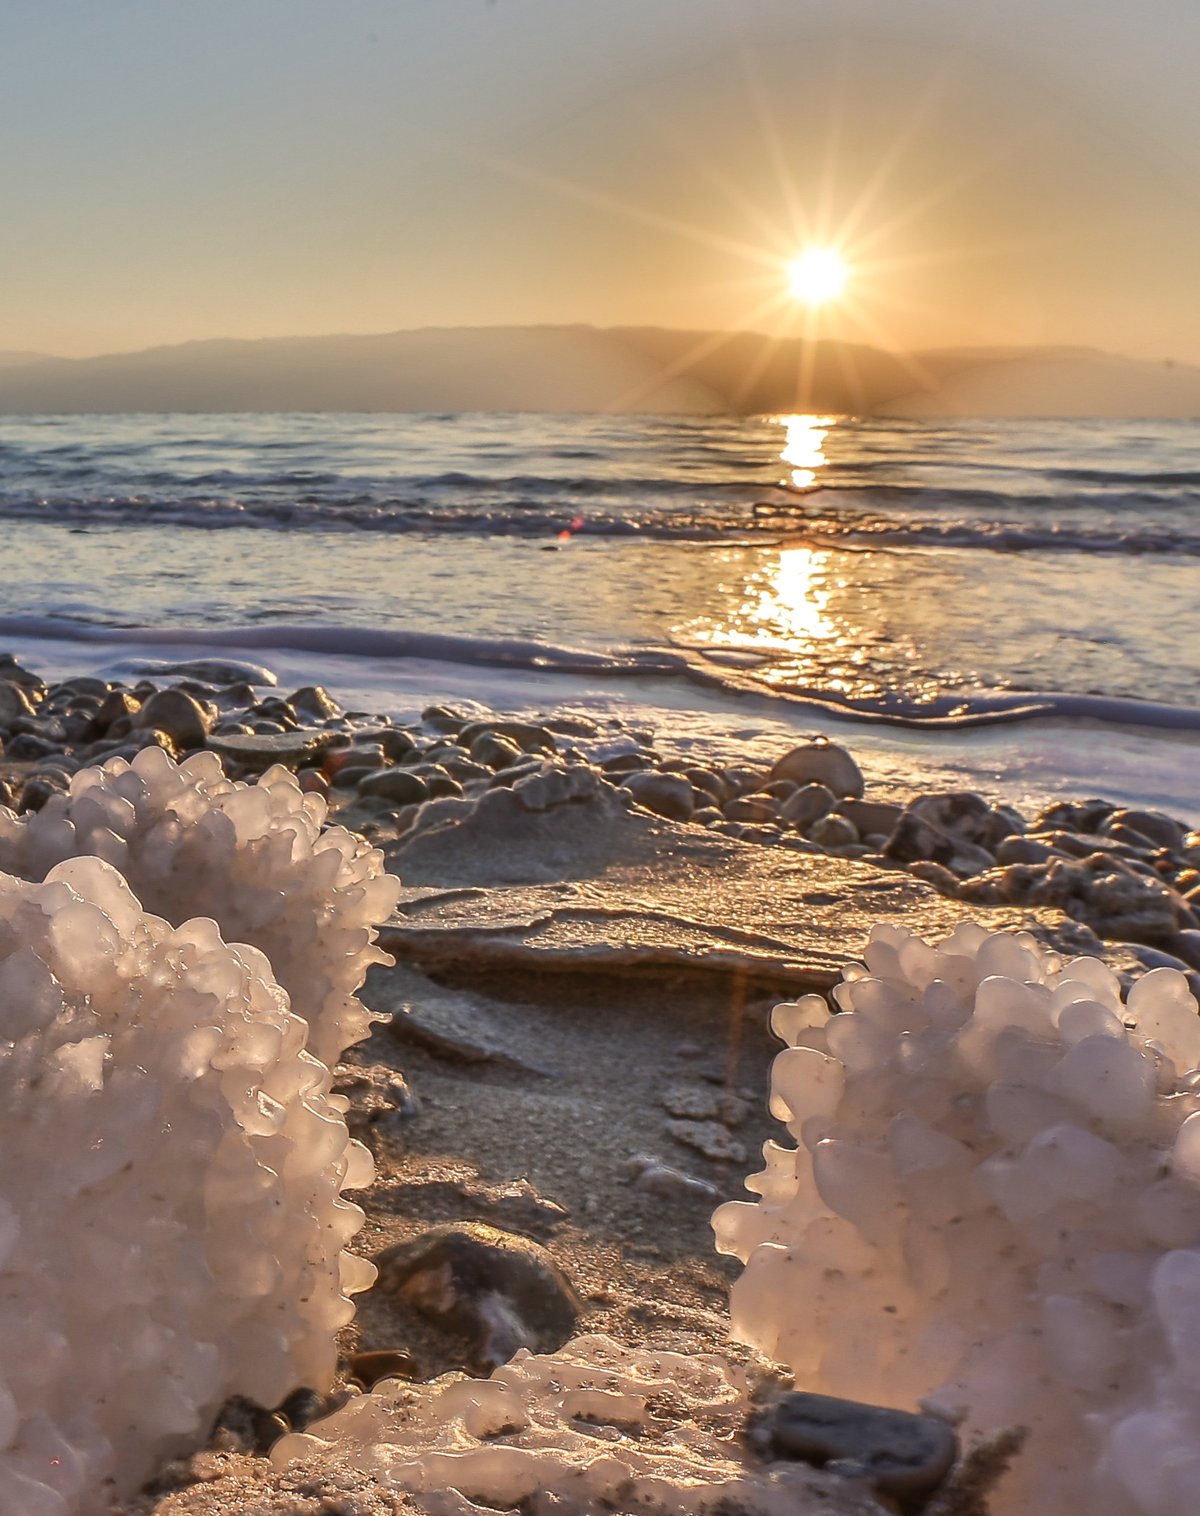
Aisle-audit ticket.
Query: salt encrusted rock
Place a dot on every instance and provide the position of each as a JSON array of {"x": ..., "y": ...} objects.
[
  {"x": 253, "y": 858},
  {"x": 1096, "y": 890},
  {"x": 171, "y": 1224},
  {"x": 596, "y": 1427},
  {"x": 994, "y": 1204},
  {"x": 821, "y": 762}
]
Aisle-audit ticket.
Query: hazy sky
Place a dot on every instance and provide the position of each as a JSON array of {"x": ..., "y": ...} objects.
[{"x": 997, "y": 170}]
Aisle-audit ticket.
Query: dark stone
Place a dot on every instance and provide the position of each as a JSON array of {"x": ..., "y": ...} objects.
[
  {"x": 668, "y": 795},
  {"x": 399, "y": 785},
  {"x": 14, "y": 703},
  {"x": 370, "y": 1367},
  {"x": 1073, "y": 816},
  {"x": 184, "y": 719},
  {"x": 499, "y": 1290},
  {"x": 493, "y": 751},
  {"x": 442, "y": 719},
  {"x": 26, "y": 748},
  {"x": 38, "y": 789},
  {"x": 522, "y": 734},
  {"x": 315, "y": 702},
  {"x": 752, "y": 808},
  {"x": 901, "y": 1453},
  {"x": 626, "y": 763},
  {"x": 442, "y": 785},
  {"x": 396, "y": 744},
  {"x": 277, "y": 710},
  {"x": 833, "y": 832},
  {"x": 1157, "y": 829},
  {"x": 807, "y": 804}
]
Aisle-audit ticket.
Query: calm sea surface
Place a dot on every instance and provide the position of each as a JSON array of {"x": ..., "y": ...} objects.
[{"x": 893, "y": 565}]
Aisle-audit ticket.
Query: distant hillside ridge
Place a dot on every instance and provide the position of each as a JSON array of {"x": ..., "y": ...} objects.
[{"x": 582, "y": 368}]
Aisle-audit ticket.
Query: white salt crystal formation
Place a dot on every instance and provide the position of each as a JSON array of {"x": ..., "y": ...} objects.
[
  {"x": 994, "y": 1203},
  {"x": 251, "y": 857},
  {"x": 591, "y": 1429},
  {"x": 171, "y": 1223}
]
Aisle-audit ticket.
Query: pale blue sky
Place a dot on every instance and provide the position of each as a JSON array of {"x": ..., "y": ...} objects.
[{"x": 175, "y": 169}]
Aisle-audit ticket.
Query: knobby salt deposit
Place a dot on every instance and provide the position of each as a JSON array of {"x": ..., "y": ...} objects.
[
  {"x": 994, "y": 1203},
  {"x": 171, "y": 1223},
  {"x": 171, "y": 1220},
  {"x": 251, "y": 857},
  {"x": 593, "y": 1428}
]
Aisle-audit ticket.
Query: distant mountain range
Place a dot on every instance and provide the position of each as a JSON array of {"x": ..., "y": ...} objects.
[{"x": 582, "y": 368}]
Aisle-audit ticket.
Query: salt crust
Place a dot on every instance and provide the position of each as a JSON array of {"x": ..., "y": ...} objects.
[
  {"x": 171, "y": 1223},
  {"x": 251, "y": 857},
  {"x": 593, "y": 1428},
  {"x": 993, "y": 1204}
]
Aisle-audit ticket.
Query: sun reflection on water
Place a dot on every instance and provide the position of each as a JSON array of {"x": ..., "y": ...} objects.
[{"x": 803, "y": 448}]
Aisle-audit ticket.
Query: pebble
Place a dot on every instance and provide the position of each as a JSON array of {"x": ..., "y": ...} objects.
[
  {"x": 255, "y": 751},
  {"x": 903, "y": 1454},
  {"x": 834, "y": 832},
  {"x": 653, "y": 1177},
  {"x": 14, "y": 703},
  {"x": 667, "y": 795},
  {"x": 821, "y": 762},
  {"x": 809, "y": 803},
  {"x": 494, "y": 752},
  {"x": 314, "y": 701},
  {"x": 501, "y": 1290},
  {"x": 754, "y": 807},
  {"x": 399, "y": 785},
  {"x": 1158, "y": 830},
  {"x": 184, "y": 720},
  {"x": 369, "y": 1368}
]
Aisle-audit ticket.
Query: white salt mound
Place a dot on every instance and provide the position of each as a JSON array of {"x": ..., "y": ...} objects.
[
  {"x": 171, "y": 1224},
  {"x": 251, "y": 857},
  {"x": 994, "y": 1204},
  {"x": 593, "y": 1428}
]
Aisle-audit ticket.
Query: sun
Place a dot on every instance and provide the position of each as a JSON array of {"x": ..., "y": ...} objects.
[{"x": 818, "y": 275}]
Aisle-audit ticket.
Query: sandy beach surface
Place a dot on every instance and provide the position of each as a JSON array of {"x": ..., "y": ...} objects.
[{"x": 573, "y": 1046}]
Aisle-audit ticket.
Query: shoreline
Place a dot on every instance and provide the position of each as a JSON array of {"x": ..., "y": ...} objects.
[{"x": 590, "y": 939}]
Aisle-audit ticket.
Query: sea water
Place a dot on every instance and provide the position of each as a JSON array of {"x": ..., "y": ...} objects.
[{"x": 901, "y": 583}]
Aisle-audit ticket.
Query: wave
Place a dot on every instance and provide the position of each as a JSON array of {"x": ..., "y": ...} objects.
[
  {"x": 950, "y": 710},
  {"x": 850, "y": 525}
]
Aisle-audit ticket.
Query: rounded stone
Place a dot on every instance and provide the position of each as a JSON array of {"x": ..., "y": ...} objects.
[
  {"x": 667, "y": 795},
  {"x": 501, "y": 1290},
  {"x": 399, "y": 785},
  {"x": 821, "y": 762},
  {"x": 370, "y": 1367},
  {"x": 494, "y": 752},
  {"x": 183, "y": 719},
  {"x": 833, "y": 831},
  {"x": 900, "y": 1452},
  {"x": 810, "y": 803}
]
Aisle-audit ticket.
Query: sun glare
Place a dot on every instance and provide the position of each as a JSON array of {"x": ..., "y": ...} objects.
[{"x": 819, "y": 274}]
